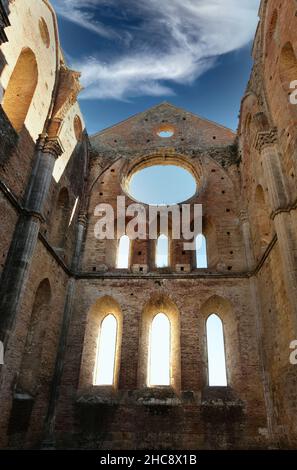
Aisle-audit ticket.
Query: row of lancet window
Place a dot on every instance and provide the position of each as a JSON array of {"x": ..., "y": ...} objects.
[
  {"x": 159, "y": 354},
  {"x": 162, "y": 252}
]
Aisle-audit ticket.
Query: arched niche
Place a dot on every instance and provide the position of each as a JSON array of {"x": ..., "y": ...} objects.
[
  {"x": 21, "y": 88},
  {"x": 288, "y": 74}
]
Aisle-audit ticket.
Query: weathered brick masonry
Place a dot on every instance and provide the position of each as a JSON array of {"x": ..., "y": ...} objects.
[{"x": 58, "y": 281}]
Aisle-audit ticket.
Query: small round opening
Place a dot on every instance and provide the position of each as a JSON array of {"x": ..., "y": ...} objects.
[
  {"x": 165, "y": 131},
  {"x": 162, "y": 185}
]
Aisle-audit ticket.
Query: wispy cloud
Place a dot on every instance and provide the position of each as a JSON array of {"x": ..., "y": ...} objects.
[
  {"x": 173, "y": 41},
  {"x": 83, "y": 14}
]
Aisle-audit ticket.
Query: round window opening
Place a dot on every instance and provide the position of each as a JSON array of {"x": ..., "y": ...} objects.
[
  {"x": 165, "y": 131},
  {"x": 162, "y": 185}
]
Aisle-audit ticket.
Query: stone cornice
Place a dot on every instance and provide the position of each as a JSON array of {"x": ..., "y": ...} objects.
[{"x": 265, "y": 139}]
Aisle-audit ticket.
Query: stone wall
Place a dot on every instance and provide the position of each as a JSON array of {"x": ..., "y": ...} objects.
[{"x": 55, "y": 270}]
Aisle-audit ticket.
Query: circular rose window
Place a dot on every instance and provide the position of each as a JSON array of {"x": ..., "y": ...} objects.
[{"x": 162, "y": 185}]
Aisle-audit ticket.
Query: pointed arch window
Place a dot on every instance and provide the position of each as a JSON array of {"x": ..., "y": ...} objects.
[
  {"x": 162, "y": 252},
  {"x": 217, "y": 372},
  {"x": 106, "y": 352},
  {"x": 159, "y": 351},
  {"x": 201, "y": 251},
  {"x": 123, "y": 252}
]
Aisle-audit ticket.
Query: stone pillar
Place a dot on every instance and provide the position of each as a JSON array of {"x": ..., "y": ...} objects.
[
  {"x": 49, "y": 425},
  {"x": 246, "y": 232},
  {"x": 21, "y": 252},
  {"x": 48, "y": 441},
  {"x": 267, "y": 145},
  {"x": 81, "y": 228}
]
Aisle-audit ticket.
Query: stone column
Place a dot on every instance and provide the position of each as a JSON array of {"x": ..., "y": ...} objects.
[
  {"x": 81, "y": 228},
  {"x": 267, "y": 145},
  {"x": 21, "y": 252},
  {"x": 48, "y": 441},
  {"x": 246, "y": 232}
]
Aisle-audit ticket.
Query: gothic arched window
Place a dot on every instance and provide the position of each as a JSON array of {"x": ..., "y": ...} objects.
[
  {"x": 201, "y": 251},
  {"x": 217, "y": 373},
  {"x": 106, "y": 352},
  {"x": 159, "y": 351}
]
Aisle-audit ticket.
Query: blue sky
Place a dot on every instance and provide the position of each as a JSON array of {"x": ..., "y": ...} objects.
[
  {"x": 160, "y": 177},
  {"x": 134, "y": 54}
]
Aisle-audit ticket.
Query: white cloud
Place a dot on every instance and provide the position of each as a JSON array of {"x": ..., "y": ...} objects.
[
  {"x": 175, "y": 41},
  {"x": 82, "y": 14}
]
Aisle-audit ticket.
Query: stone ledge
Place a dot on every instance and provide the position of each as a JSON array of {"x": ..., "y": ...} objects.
[
  {"x": 158, "y": 396},
  {"x": 221, "y": 404}
]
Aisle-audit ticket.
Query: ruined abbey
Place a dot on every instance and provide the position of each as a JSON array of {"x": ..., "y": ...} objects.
[{"x": 59, "y": 283}]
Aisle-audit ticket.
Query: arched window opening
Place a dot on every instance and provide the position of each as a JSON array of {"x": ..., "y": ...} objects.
[
  {"x": 106, "y": 352},
  {"x": 159, "y": 351},
  {"x": 20, "y": 89},
  {"x": 30, "y": 367},
  {"x": 61, "y": 220},
  {"x": 288, "y": 67},
  {"x": 162, "y": 252},
  {"x": 217, "y": 373},
  {"x": 78, "y": 128},
  {"x": 201, "y": 251},
  {"x": 123, "y": 253}
]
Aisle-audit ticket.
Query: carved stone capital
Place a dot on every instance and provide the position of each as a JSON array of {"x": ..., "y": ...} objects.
[
  {"x": 243, "y": 216},
  {"x": 82, "y": 219},
  {"x": 51, "y": 145},
  {"x": 265, "y": 139}
]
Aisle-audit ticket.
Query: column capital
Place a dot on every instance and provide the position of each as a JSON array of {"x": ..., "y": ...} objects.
[
  {"x": 265, "y": 139},
  {"x": 82, "y": 219},
  {"x": 51, "y": 145},
  {"x": 243, "y": 216}
]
